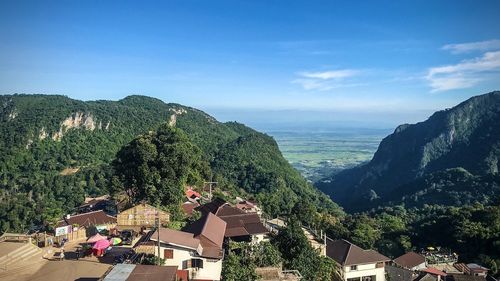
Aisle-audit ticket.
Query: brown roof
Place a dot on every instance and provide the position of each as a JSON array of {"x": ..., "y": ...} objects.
[
  {"x": 88, "y": 219},
  {"x": 235, "y": 232},
  {"x": 176, "y": 238},
  {"x": 211, "y": 207},
  {"x": 228, "y": 210},
  {"x": 213, "y": 229},
  {"x": 245, "y": 205},
  {"x": 240, "y": 223},
  {"x": 207, "y": 231},
  {"x": 346, "y": 253},
  {"x": 410, "y": 260},
  {"x": 188, "y": 207},
  {"x": 465, "y": 277}
]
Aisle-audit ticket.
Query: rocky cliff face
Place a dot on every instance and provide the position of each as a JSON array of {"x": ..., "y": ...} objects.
[
  {"x": 75, "y": 121},
  {"x": 466, "y": 136}
]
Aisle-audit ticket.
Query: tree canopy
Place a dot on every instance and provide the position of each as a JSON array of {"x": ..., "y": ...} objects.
[{"x": 156, "y": 167}]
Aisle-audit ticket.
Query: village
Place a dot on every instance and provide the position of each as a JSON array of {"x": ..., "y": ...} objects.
[{"x": 105, "y": 240}]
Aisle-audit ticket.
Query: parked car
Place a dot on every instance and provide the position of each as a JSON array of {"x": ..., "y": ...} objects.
[{"x": 127, "y": 236}]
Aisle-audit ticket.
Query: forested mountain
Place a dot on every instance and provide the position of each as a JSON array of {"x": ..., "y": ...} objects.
[
  {"x": 55, "y": 150},
  {"x": 449, "y": 159}
]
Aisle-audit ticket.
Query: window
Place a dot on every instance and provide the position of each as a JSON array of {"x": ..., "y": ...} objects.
[
  {"x": 354, "y": 267},
  {"x": 168, "y": 254},
  {"x": 198, "y": 263}
]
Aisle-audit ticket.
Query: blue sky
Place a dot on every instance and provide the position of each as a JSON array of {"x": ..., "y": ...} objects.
[{"x": 382, "y": 61}]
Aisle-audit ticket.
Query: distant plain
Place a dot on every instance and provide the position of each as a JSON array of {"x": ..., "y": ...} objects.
[{"x": 321, "y": 153}]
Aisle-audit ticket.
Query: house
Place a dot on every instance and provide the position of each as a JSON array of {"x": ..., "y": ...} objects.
[
  {"x": 447, "y": 268},
  {"x": 241, "y": 226},
  {"x": 411, "y": 261},
  {"x": 248, "y": 207},
  {"x": 465, "y": 277},
  {"x": 188, "y": 207},
  {"x": 211, "y": 207},
  {"x": 141, "y": 216},
  {"x": 198, "y": 249},
  {"x": 438, "y": 274},
  {"x": 140, "y": 272},
  {"x": 396, "y": 273},
  {"x": 84, "y": 225},
  {"x": 425, "y": 277},
  {"x": 472, "y": 269},
  {"x": 356, "y": 263},
  {"x": 191, "y": 194}
]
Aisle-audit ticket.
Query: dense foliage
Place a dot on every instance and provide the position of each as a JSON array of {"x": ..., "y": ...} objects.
[
  {"x": 472, "y": 231},
  {"x": 298, "y": 254},
  {"x": 244, "y": 258},
  {"x": 289, "y": 250},
  {"x": 54, "y": 151},
  {"x": 156, "y": 167},
  {"x": 255, "y": 164}
]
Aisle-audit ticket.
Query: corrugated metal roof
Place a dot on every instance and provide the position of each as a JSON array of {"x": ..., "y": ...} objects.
[{"x": 120, "y": 272}]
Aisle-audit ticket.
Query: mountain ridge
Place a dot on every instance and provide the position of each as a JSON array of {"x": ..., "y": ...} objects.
[
  {"x": 54, "y": 150},
  {"x": 466, "y": 136}
]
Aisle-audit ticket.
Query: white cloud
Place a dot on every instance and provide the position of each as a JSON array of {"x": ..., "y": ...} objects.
[
  {"x": 334, "y": 74},
  {"x": 465, "y": 74},
  {"x": 473, "y": 46},
  {"x": 325, "y": 80}
]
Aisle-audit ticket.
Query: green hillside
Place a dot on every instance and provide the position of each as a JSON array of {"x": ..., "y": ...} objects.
[
  {"x": 55, "y": 150},
  {"x": 466, "y": 136}
]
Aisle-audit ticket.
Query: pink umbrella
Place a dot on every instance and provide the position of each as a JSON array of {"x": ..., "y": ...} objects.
[
  {"x": 101, "y": 245},
  {"x": 95, "y": 238}
]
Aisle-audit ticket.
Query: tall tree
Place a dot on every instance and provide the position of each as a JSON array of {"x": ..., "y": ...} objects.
[
  {"x": 156, "y": 166},
  {"x": 298, "y": 254}
]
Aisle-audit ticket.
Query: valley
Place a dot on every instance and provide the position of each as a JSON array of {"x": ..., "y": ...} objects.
[{"x": 320, "y": 153}]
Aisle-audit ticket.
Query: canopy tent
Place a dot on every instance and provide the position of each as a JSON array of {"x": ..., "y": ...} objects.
[
  {"x": 101, "y": 244},
  {"x": 95, "y": 238}
]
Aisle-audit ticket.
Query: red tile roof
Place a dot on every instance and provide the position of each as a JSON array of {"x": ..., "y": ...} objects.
[
  {"x": 190, "y": 193},
  {"x": 434, "y": 271}
]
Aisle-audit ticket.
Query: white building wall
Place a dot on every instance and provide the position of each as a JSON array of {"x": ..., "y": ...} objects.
[
  {"x": 211, "y": 270},
  {"x": 365, "y": 270},
  {"x": 419, "y": 267},
  {"x": 256, "y": 239}
]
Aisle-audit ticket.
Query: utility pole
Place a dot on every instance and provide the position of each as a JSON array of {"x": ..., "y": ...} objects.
[
  {"x": 210, "y": 184},
  {"x": 158, "y": 230}
]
